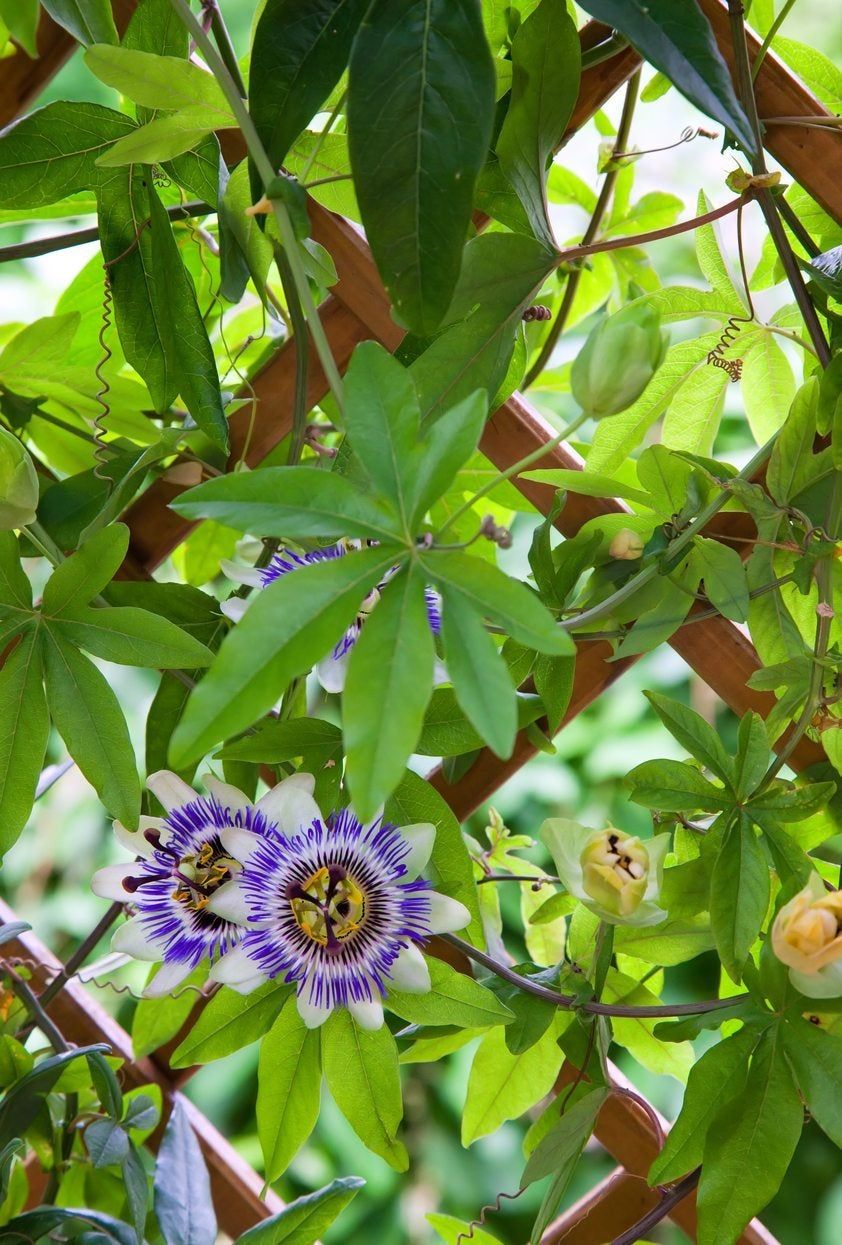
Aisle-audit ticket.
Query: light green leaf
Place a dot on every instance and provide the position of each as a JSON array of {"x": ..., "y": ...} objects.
[
  {"x": 165, "y": 82},
  {"x": 675, "y": 786},
  {"x": 361, "y": 1069},
  {"x": 303, "y": 1221},
  {"x": 711, "y": 260},
  {"x": 635, "y": 1033},
  {"x": 291, "y": 624},
  {"x": 692, "y": 418},
  {"x": 156, "y": 1021},
  {"x": 85, "y": 573},
  {"x": 229, "y": 1022},
  {"x": 724, "y": 575},
  {"x": 502, "y": 1086},
  {"x": 289, "y": 1081},
  {"x": 388, "y": 687},
  {"x": 161, "y": 139},
  {"x": 586, "y": 484},
  {"x": 453, "y": 1000},
  {"x": 694, "y": 734},
  {"x": 133, "y": 637},
  {"x": 739, "y": 895}
]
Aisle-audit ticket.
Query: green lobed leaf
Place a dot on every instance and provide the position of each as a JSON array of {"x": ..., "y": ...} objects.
[
  {"x": 454, "y": 999},
  {"x": 133, "y": 637},
  {"x": 91, "y": 722},
  {"x": 724, "y": 576},
  {"x": 504, "y": 600},
  {"x": 749, "y": 1145},
  {"x": 303, "y": 1221},
  {"x": 289, "y": 1081},
  {"x": 447, "y": 445},
  {"x": 165, "y": 82},
  {"x": 290, "y": 625},
  {"x": 675, "y": 786},
  {"x": 739, "y": 895},
  {"x": 546, "y": 64},
  {"x": 24, "y": 730},
  {"x": 694, "y": 734},
  {"x": 714, "y": 1081},
  {"x": 480, "y": 677},
  {"x": 289, "y": 502},
  {"x": 501, "y": 1086},
  {"x": 816, "y": 1060},
  {"x": 229, "y": 1022},
  {"x": 85, "y": 573},
  {"x": 361, "y": 1069},
  {"x": 156, "y": 1021},
  {"x": 387, "y": 689},
  {"x": 418, "y": 141}
]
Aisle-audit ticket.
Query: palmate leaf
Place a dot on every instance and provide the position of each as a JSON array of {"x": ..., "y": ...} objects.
[
  {"x": 388, "y": 687},
  {"x": 289, "y": 1083},
  {"x": 546, "y": 62},
  {"x": 480, "y": 678},
  {"x": 24, "y": 729},
  {"x": 739, "y": 895},
  {"x": 361, "y": 1069},
  {"x": 420, "y": 107},
  {"x": 231, "y": 1022},
  {"x": 291, "y": 624}
]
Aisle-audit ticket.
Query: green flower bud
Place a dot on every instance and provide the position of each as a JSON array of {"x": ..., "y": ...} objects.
[
  {"x": 18, "y": 483},
  {"x": 615, "y": 870},
  {"x": 618, "y": 360}
]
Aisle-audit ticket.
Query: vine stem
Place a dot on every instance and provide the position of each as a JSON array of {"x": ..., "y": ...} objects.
[
  {"x": 591, "y": 1006},
  {"x": 654, "y": 1216},
  {"x": 590, "y": 233},
  {"x": 767, "y": 42},
  {"x": 77, "y": 237},
  {"x": 745, "y": 90},
  {"x": 36, "y": 1010},
  {"x": 267, "y": 175}
]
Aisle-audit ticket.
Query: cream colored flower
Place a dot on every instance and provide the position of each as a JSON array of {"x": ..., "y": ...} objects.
[
  {"x": 615, "y": 874},
  {"x": 627, "y": 546},
  {"x": 807, "y": 937}
]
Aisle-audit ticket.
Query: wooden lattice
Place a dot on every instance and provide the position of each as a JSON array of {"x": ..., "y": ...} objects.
[{"x": 716, "y": 649}]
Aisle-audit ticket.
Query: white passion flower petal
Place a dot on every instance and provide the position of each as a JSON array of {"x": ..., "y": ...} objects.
[
  {"x": 313, "y": 1015},
  {"x": 240, "y": 844},
  {"x": 447, "y": 915},
  {"x": 331, "y": 672},
  {"x": 108, "y": 882},
  {"x": 229, "y": 901},
  {"x": 409, "y": 972},
  {"x": 228, "y": 796},
  {"x": 135, "y": 841},
  {"x": 133, "y": 940},
  {"x": 250, "y": 575},
  {"x": 172, "y": 791},
  {"x": 234, "y": 968},
  {"x": 421, "y": 838},
  {"x": 234, "y": 608},
  {"x": 290, "y": 807},
  {"x": 166, "y": 979},
  {"x": 368, "y": 1013}
]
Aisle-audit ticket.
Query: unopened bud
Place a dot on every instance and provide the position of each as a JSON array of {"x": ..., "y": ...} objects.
[
  {"x": 626, "y": 545},
  {"x": 618, "y": 360},
  {"x": 18, "y": 483}
]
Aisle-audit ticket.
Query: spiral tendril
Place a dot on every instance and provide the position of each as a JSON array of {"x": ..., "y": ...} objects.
[{"x": 479, "y": 1222}]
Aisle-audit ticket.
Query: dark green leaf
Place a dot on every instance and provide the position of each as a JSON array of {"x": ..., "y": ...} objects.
[
  {"x": 91, "y": 723},
  {"x": 291, "y": 624},
  {"x": 137, "y": 1189},
  {"x": 724, "y": 575},
  {"x": 15, "y": 588},
  {"x": 289, "y": 1080},
  {"x": 714, "y": 1081},
  {"x": 183, "y": 1205},
  {"x": 418, "y": 139},
  {"x": 752, "y": 754},
  {"x": 479, "y": 675},
  {"x": 361, "y": 1068},
  {"x": 85, "y": 573},
  {"x": 107, "y": 1142},
  {"x": 289, "y": 502},
  {"x": 792, "y": 804},
  {"x": 34, "y": 1225},
  {"x": 21, "y": 1103},
  {"x": 739, "y": 895},
  {"x": 558, "y": 1153},
  {"x": 389, "y": 682},
  {"x": 749, "y": 1145},
  {"x": 447, "y": 446},
  {"x": 24, "y": 729},
  {"x": 188, "y": 351},
  {"x": 554, "y": 684},
  {"x": 133, "y": 637},
  {"x": 303, "y": 1221},
  {"x": 694, "y": 734},
  {"x": 816, "y": 1060},
  {"x": 505, "y": 601},
  {"x": 675, "y": 37},
  {"x": 89, "y": 21},
  {"x": 675, "y": 786},
  {"x": 297, "y": 57},
  {"x": 229, "y": 1022},
  {"x": 546, "y": 61}
]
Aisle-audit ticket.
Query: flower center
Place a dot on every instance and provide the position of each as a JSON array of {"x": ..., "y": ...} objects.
[
  {"x": 199, "y": 875},
  {"x": 329, "y": 906}
]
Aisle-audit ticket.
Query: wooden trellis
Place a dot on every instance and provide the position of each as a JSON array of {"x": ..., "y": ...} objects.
[{"x": 716, "y": 649}]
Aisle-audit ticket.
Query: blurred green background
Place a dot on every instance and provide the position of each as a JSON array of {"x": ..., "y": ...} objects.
[{"x": 46, "y": 875}]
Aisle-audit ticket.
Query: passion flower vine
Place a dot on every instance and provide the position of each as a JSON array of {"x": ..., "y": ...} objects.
[
  {"x": 331, "y": 670},
  {"x": 183, "y": 862},
  {"x": 338, "y": 909}
]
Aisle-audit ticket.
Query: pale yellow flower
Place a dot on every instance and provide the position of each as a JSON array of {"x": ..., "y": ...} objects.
[{"x": 807, "y": 937}]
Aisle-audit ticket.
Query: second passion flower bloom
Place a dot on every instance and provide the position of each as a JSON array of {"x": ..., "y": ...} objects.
[
  {"x": 807, "y": 937},
  {"x": 338, "y": 909},
  {"x": 183, "y": 862},
  {"x": 331, "y": 670},
  {"x": 617, "y": 875}
]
